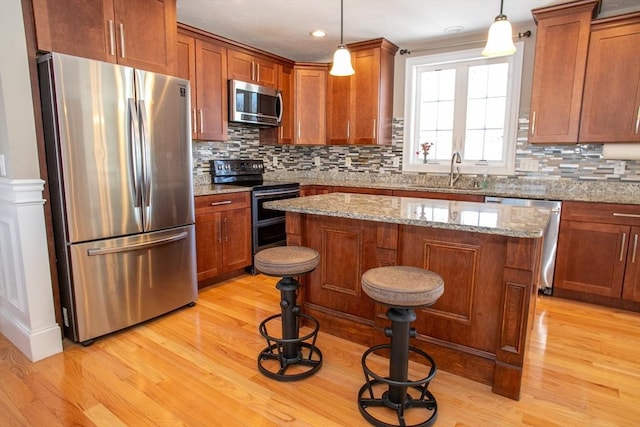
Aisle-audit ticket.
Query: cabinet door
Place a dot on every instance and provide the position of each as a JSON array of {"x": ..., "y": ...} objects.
[
  {"x": 631, "y": 286},
  {"x": 611, "y": 100},
  {"x": 249, "y": 68},
  {"x": 236, "y": 239},
  {"x": 186, "y": 69},
  {"x": 364, "y": 110},
  {"x": 208, "y": 245},
  {"x": 80, "y": 28},
  {"x": 310, "y": 102},
  {"x": 286, "y": 86},
  {"x": 266, "y": 72},
  {"x": 591, "y": 257},
  {"x": 146, "y": 34},
  {"x": 558, "y": 73},
  {"x": 338, "y": 109},
  {"x": 211, "y": 92}
]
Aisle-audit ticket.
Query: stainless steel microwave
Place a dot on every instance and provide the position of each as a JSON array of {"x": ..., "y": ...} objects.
[{"x": 255, "y": 104}]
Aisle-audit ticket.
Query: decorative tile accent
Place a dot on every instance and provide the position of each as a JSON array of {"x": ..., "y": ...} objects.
[{"x": 573, "y": 162}]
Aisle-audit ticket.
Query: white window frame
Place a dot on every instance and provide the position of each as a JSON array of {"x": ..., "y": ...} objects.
[{"x": 411, "y": 163}]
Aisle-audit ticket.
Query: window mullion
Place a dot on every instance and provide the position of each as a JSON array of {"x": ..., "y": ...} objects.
[{"x": 460, "y": 109}]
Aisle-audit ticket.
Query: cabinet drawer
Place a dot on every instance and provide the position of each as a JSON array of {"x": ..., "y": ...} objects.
[
  {"x": 222, "y": 202},
  {"x": 606, "y": 213}
]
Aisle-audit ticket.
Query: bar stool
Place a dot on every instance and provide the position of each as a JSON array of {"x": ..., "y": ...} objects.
[
  {"x": 402, "y": 289},
  {"x": 289, "y": 349}
]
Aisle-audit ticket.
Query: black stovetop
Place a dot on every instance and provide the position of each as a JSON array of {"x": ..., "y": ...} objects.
[{"x": 245, "y": 173}]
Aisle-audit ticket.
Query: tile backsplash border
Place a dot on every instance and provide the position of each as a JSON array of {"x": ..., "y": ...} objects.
[{"x": 573, "y": 162}]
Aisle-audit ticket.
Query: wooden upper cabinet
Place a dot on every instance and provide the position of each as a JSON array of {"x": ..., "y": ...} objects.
[
  {"x": 360, "y": 107},
  {"x": 310, "y": 104},
  {"x": 252, "y": 68},
  {"x": 286, "y": 84},
  {"x": 204, "y": 63},
  {"x": 611, "y": 99},
  {"x": 562, "y": 43},
  {"x": 137, "y": 33}
]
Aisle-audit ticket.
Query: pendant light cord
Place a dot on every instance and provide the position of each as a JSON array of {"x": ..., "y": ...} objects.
[{"x": 341, "y": 20}]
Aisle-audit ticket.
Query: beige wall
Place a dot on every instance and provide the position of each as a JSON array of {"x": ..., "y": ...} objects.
[{"x": 17, "y": 128}]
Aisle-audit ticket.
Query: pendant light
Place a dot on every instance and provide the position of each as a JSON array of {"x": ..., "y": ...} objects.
[
  {"x": 342, "y": 57},
  {"x": 500, "y": 39}
]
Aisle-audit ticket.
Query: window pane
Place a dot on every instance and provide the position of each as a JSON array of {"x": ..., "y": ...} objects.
[
  {"x": 445, "y": 115},
  {"x": 436, "y": 112},
  {"x": 493, "y": 144},
  {"x": 476, "y": 112},
  {"x": 478, "y": 81},
  {"x": 428, "y": 116},
  {"x": 495, "y": 112},
  {"x": 474, "y": 145},
  {"x": 497, "y": 81}
]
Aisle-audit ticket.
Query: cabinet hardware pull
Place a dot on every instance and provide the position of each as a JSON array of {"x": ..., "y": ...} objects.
[
  {"x": 122, "y": 40},
  {"x": 112, "y": 38},
  {"x": 624, "y": 240},
  {"x": 226, "y": 230},
  {"x": 533, "y": 124},
  {"x": 298, "y": 130},
  {"x": 220, "y": 231},
  {"x": 194, "y": 125},
  {"x": 635, "y": 248},
  {"x": 201, "y": 122},
  {"x": 638, "y": 120},
  {"x": 626, "y": 215},
  {"x": 258, "y": 72},
  {"x": 375, "y": 129},
  {"x": 253, "y": 70},
  {"x": 348, "y": 129},
  {"x": 224, "y": 202}
]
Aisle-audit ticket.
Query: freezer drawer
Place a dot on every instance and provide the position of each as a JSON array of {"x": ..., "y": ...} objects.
[{"x": 120, "y": 282}]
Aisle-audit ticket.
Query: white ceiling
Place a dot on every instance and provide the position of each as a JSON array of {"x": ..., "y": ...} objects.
[{"x": 282, "y": 26}]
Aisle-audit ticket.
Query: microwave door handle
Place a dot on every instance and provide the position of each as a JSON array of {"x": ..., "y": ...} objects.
[{"x": 279, "y": 103}]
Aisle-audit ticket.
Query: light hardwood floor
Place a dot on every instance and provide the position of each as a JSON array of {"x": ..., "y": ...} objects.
[{"x": 197, "y": 367}]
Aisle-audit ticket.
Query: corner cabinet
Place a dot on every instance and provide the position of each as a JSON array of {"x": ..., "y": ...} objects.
[
  {"x": 310, "y": 104},
  {"x": 252, "y": 68},
  {"x": 204, "y": 63},
  {"x": 611, "y": 98},
  {"x": 598, "y": 257},
  {"x": 137, "y": 33},
  {"x": 562, "y": 42},
  {"x": 360, "y": 107},
  {"x": 223, "y": 234}
]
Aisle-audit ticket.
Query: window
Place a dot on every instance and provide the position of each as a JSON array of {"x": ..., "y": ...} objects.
[{"x": 462, "y": 101}]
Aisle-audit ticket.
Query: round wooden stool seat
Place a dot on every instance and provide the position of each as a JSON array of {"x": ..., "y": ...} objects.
[
  {"x": 403, "y": 286},
  {"x": 286, "y": 260}
]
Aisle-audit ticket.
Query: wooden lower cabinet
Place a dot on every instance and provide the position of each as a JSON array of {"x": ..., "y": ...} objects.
[
  {"x": 223, "y": 234},
  {"x": 312, "y": 190},
  {"x": 598, "y": 257},
  {"x": 437, "y": 195}
]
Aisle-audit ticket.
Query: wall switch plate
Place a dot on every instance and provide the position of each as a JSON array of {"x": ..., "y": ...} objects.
[
  {"x": 619, "y": 167},
  {"x": 396, "y": 162},
  {"x": 275, "y": 161},
  {"x": 316, "y": 160},
  {"x": 530, "y": 165},
  {"x": 3, "y": 167},
  {"x": 347, "y": 161}
]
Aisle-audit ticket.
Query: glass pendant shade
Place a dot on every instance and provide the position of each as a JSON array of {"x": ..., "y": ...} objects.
[
  {"x": 500, "y": 39},
  {"x": 342, "y": 62}
]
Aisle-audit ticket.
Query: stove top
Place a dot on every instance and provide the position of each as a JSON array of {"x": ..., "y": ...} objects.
[{"x": 244, "y": 172}]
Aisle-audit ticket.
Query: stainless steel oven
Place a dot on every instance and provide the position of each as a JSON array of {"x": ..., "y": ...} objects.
[{"x": 267, "y": 225}]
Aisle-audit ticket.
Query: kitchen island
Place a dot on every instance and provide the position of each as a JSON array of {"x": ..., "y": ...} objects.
[{"x": 487, "y": 254}]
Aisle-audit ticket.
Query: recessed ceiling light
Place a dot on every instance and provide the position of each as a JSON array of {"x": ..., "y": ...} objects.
[
  {"x": 454, "y": 29},
  {"x": 318, "y": 33}
]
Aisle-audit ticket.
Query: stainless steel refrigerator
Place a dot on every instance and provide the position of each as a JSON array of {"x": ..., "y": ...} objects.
[{"x": 118, "y": 147}]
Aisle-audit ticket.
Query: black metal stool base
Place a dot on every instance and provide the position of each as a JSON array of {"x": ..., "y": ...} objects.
[
  {"x": 307, "y": 359},
  {"x": 423, "y": 400}
]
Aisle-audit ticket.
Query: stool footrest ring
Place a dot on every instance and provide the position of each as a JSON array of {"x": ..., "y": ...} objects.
[
  {"x": 375, "y": 393},
  {"x": 308, "y": 355}
]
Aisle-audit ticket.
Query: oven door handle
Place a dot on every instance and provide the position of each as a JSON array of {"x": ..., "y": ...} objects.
[{"x": 260, "y": 195}]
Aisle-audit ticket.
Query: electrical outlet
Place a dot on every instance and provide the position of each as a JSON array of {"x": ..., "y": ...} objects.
[
  {"x": 275, "y": 161},
  {"x": 530, "y": 165},
  {"x": 3, "y": 167},
  {"x": 619, "y": 167},
  {"x": 316, "y": 160},
  {"x": 347, "y": 161},
  {"x": 396, "y": 162}
]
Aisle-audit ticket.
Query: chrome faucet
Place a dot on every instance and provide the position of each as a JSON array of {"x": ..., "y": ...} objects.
[{"x": 455, "y": 158}]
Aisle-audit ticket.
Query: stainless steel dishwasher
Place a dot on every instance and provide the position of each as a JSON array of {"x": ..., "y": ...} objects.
[{"x": 550, "y": 244}]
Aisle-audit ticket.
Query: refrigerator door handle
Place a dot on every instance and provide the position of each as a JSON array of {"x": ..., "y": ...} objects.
[
  {"x": 135, "y": 153},
  {"x": 146, "y": 178},
  {"x": 137, "y": 246}
]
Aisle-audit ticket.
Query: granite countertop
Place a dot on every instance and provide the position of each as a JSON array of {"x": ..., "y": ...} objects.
[
  {"x": 513, "y": 221},
  {"x": 209, "y": 189}
]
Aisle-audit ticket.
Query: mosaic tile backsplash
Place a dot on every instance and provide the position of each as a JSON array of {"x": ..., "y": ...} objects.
[{"x": 575, "y": 162}]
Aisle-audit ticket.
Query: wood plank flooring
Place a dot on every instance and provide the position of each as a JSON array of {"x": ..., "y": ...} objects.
[{"x": 197, "y": 367}]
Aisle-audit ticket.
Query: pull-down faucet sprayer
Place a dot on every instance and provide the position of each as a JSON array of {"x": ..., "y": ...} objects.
[{"x": 455, "y": 158}]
